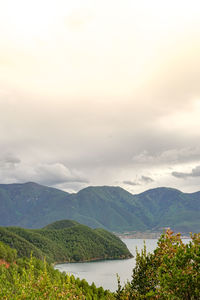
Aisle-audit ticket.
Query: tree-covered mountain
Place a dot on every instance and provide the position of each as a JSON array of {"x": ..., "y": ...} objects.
[
  {"x": 65, "y": 241},
  {"x": 31, "y": 205}
]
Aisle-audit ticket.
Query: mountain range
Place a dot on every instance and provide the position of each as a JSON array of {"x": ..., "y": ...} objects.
[{"x": 31, "y": 205}]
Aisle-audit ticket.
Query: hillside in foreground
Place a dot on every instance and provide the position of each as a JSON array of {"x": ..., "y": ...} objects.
[
  {"x": 31, "y": 205},
  {"x": 65, "y": 241},
  {"x": 31, "y": 278}
]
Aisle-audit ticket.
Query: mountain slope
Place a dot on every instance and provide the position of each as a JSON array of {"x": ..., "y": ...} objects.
[
  {"x": 65, "y": 241},
  {"x": 31, "y": 205},
  {"x": 166, "y": 207},
  {"x": 28, "y": 203}
]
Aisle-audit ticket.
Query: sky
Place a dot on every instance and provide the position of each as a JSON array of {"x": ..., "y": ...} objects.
[{"x": 100, "y": 93}]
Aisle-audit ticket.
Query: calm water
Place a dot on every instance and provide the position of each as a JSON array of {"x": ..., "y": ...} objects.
[{"x": 103, "y": 273}]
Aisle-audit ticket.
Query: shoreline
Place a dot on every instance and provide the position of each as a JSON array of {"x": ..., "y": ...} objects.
[
  {"x": 96, "y": 259},
  {"x": 146, "y": 235}
]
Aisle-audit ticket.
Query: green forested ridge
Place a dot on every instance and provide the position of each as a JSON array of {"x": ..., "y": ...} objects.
[
  {"x": 64, "y": 240},
  {"x": 61, "y": 224},
  {"x": 23, "y": 246},
  {"x": 31, "y": 205}
]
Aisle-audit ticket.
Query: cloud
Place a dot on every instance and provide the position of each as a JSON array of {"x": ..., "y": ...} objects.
[
  {"x": 142, "y": 180},
  {"x": 129, "y": 182},
  {"x": 146, "y": 179},
  {"x": 52, "y": 174},
  {"x": 88, "y": 93},
  {"x": 9, "y": 160},
  {"x": 170, "y": 156},
  {"x": 194, "y": 173}
]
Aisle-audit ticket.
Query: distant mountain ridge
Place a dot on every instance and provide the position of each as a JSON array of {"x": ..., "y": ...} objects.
[{"x": 31, "y": 205}]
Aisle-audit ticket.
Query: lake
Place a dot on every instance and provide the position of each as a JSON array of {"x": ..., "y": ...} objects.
[{"x": 103, "y": 273}]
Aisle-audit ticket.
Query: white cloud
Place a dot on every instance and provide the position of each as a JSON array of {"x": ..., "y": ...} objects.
[{"x": 51, "y": 174}]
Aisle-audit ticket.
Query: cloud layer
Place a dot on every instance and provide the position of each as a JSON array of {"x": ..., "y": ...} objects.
[{"x": 97, "y": 93}]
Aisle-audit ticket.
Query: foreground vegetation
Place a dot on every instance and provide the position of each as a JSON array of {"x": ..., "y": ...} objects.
[
  {"x": 30, "y": 278},
  {"x": 64, "y": 241},
  {"x": 171, "y": 272}
]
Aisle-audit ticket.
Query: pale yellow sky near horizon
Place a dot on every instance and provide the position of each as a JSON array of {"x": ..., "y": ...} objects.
[
  {"x": 91, "y": 87},
  {"x": 57, "y": 46}
]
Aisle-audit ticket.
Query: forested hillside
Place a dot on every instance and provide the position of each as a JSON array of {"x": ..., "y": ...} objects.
[
  {"x": 31, "y": 205},
  {"x": 65, "y": 241},
  {"x": 31, "y": 278}
]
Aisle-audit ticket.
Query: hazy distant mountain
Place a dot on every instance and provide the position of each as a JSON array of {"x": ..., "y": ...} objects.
[{"x": 32, "y": 205}]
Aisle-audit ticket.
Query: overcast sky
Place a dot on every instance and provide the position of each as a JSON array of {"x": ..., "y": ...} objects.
[{"x": 100, "y": 93}]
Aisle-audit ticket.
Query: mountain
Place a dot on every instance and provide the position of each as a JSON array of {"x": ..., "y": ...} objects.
[
  {"x": 31, "y": 205},
  {"x": 63, "y": 241}
]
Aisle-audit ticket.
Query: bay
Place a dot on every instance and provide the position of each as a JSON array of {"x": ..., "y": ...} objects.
[{"x": 103, "y": 273}]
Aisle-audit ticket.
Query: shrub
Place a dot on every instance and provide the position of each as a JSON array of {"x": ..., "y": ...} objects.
[{"x": 171, "y": 272}]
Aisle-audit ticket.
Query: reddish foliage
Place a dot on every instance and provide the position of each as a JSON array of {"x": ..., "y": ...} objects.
[{"x": 3, "y": 262}]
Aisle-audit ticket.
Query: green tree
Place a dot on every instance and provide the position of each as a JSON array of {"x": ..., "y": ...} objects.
[{"x": 171, "y": 272}]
